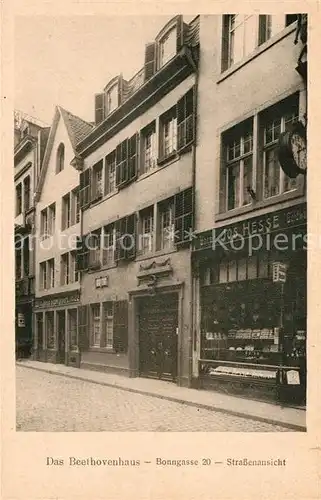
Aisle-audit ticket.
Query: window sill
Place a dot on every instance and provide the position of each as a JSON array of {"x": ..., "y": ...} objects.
[
  {"x": 259, "y": 50},
  {"x": 172, "y": 156},
  {"x": 157, "y": 253},
  {"x": 108, "y": 266},
  {"x": 109, "y": 350},
  {"x": 275, "y": 200}
]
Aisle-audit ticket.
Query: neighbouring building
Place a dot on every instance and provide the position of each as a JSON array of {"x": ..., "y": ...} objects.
[
  {"x": 249, "y": 259},
  {"x": 57, "y": 294},
  {"x": 30, "y": 139},
  {"x": 136, "y": 198}
]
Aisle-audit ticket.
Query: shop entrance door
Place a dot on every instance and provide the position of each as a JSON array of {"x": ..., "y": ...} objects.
[
  {"x": 61, "y": 335},
  {"x": 158, "y": 323}
]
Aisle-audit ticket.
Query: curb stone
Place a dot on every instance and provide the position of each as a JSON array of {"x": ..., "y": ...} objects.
[{"x": 240, "y": 414}]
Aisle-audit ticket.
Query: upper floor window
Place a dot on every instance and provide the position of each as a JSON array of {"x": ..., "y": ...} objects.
[
  {"x": 146, "y": 233},
  {"x": 250, "y": 169},
  {"x": 109, "y": 238},
  {"x": 97, "y": 181},
  {"x": 112, "y": 98},
  {"x": 75, "y": 208},
  {"x": 60, "y": 161},
  {"x": 166, "y": 240},
  {"x": 44, "y": 223},
  {"x": 65, "y": 212},
  {"x": 168, "y": 133},
  {"x": 167, "y": 46},
  {"x": 239, "y": 165},
  {"x": 243, "y": 33},
  {"x": 275, "y": 181},
  {"x": 110, "y": 173},
  {"x": 51, "y": 218},
  {"x": 26, "y": 192},
  {"x": 18, "y": 199},
  {"x": 148, "y": 148}
]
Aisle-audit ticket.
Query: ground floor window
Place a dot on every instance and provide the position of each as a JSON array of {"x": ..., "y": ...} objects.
[
  {"x": 95, "y": 325},
  {"x": 108, "y": 312},
  {"x": 50, "y": 332},
  {"x": 72, "y": 328}
]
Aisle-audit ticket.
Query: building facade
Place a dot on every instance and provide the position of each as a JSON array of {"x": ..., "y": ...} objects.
[
  {"x": 29, "y": 143},
  {"x": 136, "y": 197},
  {"x": 57, "y": 294},
  {"x": 249, "y": 259}
]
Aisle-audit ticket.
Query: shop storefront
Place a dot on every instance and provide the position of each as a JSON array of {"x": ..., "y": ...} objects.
[
  {"x": 56, "y": 328},
  {"x": 252, "y": 295}
]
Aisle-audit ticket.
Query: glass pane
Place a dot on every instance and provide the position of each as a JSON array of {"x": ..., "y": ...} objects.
[
  {"x": 247, "y": 180},
  {"x": 271, "y": 174},
  {"x": 232, "y": 270},
  {"x": 252, "y": 267},
  {"x": 223, "y": 272},
  {"x": 241, "y": 269},
  {"x": 233, "y": 185},
  {"x": 238, "y": 43}
]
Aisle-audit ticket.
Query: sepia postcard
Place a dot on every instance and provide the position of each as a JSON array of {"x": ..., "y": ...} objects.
[{"x": 161, "y": 250}]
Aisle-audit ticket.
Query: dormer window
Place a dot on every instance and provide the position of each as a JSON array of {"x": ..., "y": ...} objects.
[
  {"x": 112, "y": 98},
  {"x": 167, "y": 46}
]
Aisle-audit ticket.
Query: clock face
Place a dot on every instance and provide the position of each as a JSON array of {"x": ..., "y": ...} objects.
[{"x": 299, "y": 150}]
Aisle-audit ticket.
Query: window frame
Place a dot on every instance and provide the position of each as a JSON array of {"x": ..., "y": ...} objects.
[
  {"x": 107, "y": 306},
  {"x": 95, "y": 320},
  {"x": 107, "y": 230},
  {"x": 60, "y": 158},
  {"x": 110, "y": 173},
  {"x": 66, "y": 212},
  {"x": 164, "y": 208},
  {"x": 146, "y": 219},
  {"x": 161, "y": 43},
  {"x": 64, "y": 269},
  {"x": 26, "y": 193},
  {"x": 148, "y": 132},
  {"x": 18, "y": 199},
  {"x": 168, "y": 119}
]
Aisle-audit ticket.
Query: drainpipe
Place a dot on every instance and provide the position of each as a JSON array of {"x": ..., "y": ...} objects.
[{"x": 192, "y": 330}]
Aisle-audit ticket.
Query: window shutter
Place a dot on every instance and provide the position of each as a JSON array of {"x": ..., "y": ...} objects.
[
  {"x": 225, "y": 42},
  {"x": 99, "y": 108},
  {"x": 120, "y": 252},
  {"x": 83, "y": 327},
  {"x": 82, "y": 254},
  {"x": 122, "y": 163},
  {"x": 132, "y": 157},
  {"x": 184, "y": 207},
  {"x": 120, "y": 333},
  {"x": 186, "y": 119},
  {"x": 131, "y": 239},
  {"x": 179, "y": 33},
  {"x": 150, "y": 63},
  {"x": 264, "y": 29}
]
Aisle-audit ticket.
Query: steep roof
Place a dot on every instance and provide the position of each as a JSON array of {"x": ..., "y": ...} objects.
[{"x": 77, "y": 129}]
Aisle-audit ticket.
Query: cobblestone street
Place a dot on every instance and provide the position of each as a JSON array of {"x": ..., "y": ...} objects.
[{"x": 47, "y": 402}]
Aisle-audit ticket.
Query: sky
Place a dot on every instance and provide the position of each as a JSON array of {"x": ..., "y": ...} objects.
[{"x": 66, "y": 60}]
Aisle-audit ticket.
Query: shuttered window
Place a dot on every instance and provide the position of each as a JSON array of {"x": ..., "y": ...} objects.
[
  {"x": 85, "y": 188},
  {"x": 185, "y": 119},
  {"x": 150, "y": 63},
  {"x": 83, "y": 327},
  {"x": 126, "y": 161},
  {"x": 183, "y": 216},
  {"x": 120, "y": 326},
  {"x": 125, "y": 238},
  {"x": 99, "y": 108},
  {"x": 82, "y": 258}
]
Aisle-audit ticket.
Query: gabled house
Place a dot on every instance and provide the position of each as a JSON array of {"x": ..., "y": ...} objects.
[
  {"x": 58, "y": 226},
  {"x": 30, "y": 138}
]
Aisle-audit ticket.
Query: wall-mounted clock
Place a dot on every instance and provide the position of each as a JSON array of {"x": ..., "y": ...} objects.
[{"x": 292, "y": 150}]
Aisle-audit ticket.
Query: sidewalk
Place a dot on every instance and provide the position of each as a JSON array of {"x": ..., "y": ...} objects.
[{"x": 291, "y": 418}]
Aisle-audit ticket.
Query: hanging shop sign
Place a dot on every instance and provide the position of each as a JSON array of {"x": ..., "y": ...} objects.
[
  {"x": 292, "y": 150},
  {"x": 281, "y": 220},
  {"x": 21, "y": 320},
  {"x": 279, "y": 272},
  {"x": 54, "y": 301}
]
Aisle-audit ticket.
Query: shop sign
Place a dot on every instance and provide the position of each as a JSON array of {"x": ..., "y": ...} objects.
[
  {"x": 268, "y": 223},
  {"x": 293, "y": 377},
  {"x": 48, "y": 303},
  {"x": 279, "y": 272},
  {"x": 21, "y": 320}
]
